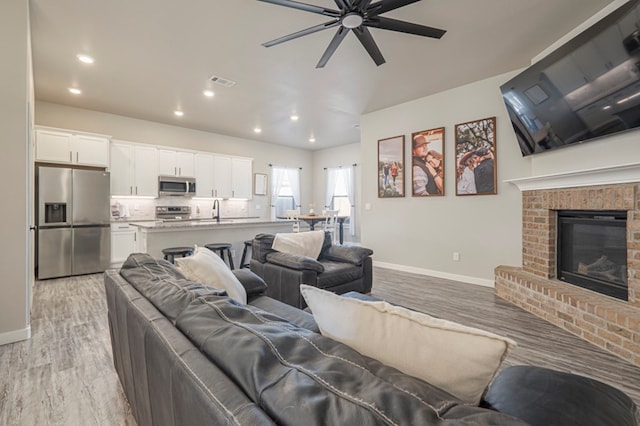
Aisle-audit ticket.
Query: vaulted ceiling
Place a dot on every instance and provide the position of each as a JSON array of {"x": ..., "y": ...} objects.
[{"x": 153, "y": 57}]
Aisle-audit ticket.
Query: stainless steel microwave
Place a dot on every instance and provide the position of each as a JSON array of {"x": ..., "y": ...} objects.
[{"x": 174, "y": 185}]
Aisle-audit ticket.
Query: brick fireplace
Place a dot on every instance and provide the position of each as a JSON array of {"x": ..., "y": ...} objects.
[{"x": 609, "y": 323}]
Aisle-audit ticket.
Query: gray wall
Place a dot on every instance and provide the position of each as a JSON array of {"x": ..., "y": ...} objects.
[{"x": 16, "y": 90}]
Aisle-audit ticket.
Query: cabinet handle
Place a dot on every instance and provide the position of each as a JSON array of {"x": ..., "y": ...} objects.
[
  {"x": 135, "y": 237},
  {"x": 179, "y": 171},
  {"x": 136, "y": 190},
  {"x": 233, "y": 193},
  {"x": 77, "y": 157},
  {"x": 131, "y": 190},
  {"x": 212, "y": 192},
  {"x": 175, "y": 171},
  {"x": 70, "y": 156}
]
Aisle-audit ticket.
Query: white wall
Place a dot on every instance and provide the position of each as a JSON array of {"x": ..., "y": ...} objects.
[
  {"x": 420, "y": 234},
  {"x": 344, "y": 156},
  {"x": 134, "y": 130},
  {"x": 17, "y": 91}
]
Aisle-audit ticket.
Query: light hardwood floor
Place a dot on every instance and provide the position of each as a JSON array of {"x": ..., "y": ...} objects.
[{"x": 64, "y": 374}]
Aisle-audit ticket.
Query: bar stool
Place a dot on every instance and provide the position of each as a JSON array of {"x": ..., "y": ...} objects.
[
  {"x": 247, "y": 245},
  {"x": 221, "y": 248},
  {"x": 171, "y": 252}
]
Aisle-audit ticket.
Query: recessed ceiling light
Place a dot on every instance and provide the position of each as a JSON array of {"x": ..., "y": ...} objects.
[
  {"x": 178, "y": 113},
  {"x": 257, "y": 130},
  {"x": 75, "y": 91},
  {"x": 209, "y": 93},
  {"x": 294, "y": 117},
  {"x": 85, "y": 59},
  {"x": 312, "y": 139}
]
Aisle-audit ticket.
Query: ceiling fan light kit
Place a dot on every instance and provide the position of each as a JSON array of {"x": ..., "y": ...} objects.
[{"x": 355, "y": 15}]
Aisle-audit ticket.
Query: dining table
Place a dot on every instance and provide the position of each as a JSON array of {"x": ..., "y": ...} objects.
[{"x": 312, "y": 219}]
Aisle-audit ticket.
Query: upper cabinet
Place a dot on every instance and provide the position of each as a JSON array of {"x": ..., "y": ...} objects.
[
  {"x": 241, "y": 177},
  {"x": 69, "y": 147},
  {"x": 221, "y": 176},
  {"x": 175, "y": 163},
  {"x": 134, "y": 169}
]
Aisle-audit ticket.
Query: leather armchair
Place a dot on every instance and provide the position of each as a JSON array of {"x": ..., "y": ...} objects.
[{"x": 338, "y": 269}]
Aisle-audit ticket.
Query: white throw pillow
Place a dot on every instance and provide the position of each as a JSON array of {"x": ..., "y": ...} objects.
[
  {"x": 301, "y": 243},
  {"x": 206, "y": 267},
  {"x": 458, "y": 359}
]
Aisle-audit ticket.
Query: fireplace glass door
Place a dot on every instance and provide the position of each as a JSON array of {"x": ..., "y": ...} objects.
[{"x": 592, "y": 250}]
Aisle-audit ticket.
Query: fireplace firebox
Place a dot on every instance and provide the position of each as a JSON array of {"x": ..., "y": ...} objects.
[{"x": 592, "y": 250}]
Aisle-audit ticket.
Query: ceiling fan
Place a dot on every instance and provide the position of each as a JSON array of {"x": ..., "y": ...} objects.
[{"x": 355, "y": 15}]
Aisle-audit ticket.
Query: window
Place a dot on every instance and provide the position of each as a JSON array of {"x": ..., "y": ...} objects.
[
  {"x": 340, "y": 199},
  {"x": 285, "y": 190}
]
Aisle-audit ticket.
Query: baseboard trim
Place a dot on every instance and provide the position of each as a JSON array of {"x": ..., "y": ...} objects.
[
  {"x": 15, "y": 336},
  {"x": 438, "y": 274}
]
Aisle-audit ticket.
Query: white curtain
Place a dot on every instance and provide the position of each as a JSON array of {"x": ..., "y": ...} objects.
[
  {"x": 332, "y": 176},
  {"x": 351, "y": 192},
  {"x": 278, "y": 176},
  {"x": 344, "y": 175}
]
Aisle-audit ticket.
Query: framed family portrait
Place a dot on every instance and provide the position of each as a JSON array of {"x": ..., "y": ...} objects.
[
  {"x": 391, "y": 167},
  {"x": 427, "y": 163},
  {"x": 476, "y": 157}
]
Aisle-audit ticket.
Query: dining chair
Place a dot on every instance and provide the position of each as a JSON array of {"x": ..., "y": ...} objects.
[
  {"x": 331, "y": 223},
  {"x": 295, "y": 216}
]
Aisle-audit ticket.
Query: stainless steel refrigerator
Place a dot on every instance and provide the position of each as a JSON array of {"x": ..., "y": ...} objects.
[{"x": 74, "y": 235}]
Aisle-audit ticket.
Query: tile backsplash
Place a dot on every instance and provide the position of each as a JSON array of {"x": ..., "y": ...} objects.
[{"x": 132, "y": 209}]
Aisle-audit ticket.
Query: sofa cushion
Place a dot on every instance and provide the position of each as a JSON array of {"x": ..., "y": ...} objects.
[
  {"x": 461, "y": 360},
  {"x": 208, "y": 268},
  {"x": 163, "y": 284},
  {"x": 294, "y": 261},
  {"x": 336, "y": 273},
  {"x": 252, "y": 283},
  {"x": 300, "y": 377},
  {"x": 541, "y": 396}
]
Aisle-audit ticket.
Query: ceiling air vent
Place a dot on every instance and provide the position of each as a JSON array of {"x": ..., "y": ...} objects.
[{"x": 221, "y": 80}]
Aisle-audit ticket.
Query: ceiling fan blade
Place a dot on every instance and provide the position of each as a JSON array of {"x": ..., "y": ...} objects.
[
  {"x": 383, "y": 6},
  {"x": 335, "y": 42},
  {"x": 343, "y": 4},
  {"x": 404, "y": 27},
  {"x": 362, "y": 5},
  {"x": 306, "y": 7},
  {"x": 301, "y": 33},
  {"x": 365, "y": 37}
]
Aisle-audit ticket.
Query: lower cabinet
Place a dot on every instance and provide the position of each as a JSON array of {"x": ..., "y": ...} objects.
[{"x": 124, "y": 241}]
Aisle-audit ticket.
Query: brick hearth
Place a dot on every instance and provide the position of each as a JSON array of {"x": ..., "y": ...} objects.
[{"x": 609, "y": 323}]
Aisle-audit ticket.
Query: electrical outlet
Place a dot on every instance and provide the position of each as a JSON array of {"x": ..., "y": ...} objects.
[{"x": 456, "y": 256}]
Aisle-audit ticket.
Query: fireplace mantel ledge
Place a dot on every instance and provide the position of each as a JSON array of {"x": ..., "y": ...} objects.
[{"x": 625, "y": 173}]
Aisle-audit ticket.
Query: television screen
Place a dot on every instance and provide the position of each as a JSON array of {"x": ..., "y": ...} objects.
[{"x": 586, "y": 89}]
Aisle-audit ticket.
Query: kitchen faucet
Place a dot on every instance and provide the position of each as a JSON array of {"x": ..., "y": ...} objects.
[{"x": 216, "y": 211}]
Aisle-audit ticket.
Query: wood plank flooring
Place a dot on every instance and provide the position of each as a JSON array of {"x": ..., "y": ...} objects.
[
  {"x": 539, "y": 342},
  {"x": 64, "y": 374}
]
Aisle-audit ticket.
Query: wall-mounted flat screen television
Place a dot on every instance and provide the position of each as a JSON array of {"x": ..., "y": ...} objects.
[{"x": 584, "y": 90}]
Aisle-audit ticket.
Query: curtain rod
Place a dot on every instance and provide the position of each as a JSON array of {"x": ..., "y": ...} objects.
[
  {"x": 354, "y": 165},
  {"x": 271, "y": 165}
]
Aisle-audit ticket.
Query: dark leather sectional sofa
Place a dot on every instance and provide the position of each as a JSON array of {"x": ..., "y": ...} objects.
[{"x": 188, "y": 355}]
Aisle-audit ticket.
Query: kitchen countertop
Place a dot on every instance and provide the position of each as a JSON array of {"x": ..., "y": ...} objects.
[{"x": 202, "y": 223}]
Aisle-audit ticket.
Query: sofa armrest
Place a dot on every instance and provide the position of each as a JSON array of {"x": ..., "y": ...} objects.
[
  {"x": 348, "y": 254},
  {"x": 253, "y": 284},
  {"x": 541, "y": 396},
  {"x": 294, "y": 261}
]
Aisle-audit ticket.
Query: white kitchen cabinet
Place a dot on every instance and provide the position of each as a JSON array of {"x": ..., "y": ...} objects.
[
  {"x": 123, "y": 242},
  {"x": 241, "y": 178},
  {"x": 134, "y": 170},
  {"x": 204, "y": 175},
  {"x": 221, "y": 176},
  {"x": 69, "y": 147},
  {"x": 175, "y": 163}
]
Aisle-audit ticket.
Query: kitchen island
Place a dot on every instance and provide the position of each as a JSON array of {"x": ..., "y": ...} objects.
[{"x": 153, "y": 236}]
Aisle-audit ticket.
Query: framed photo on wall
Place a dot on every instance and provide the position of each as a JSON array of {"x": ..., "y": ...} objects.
[
  {"x": 427, "y": 163},
  {"x": 260, "y": 184},
  {"x": 476, "y": 166},
  {"x": 391, "y": 167}
]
